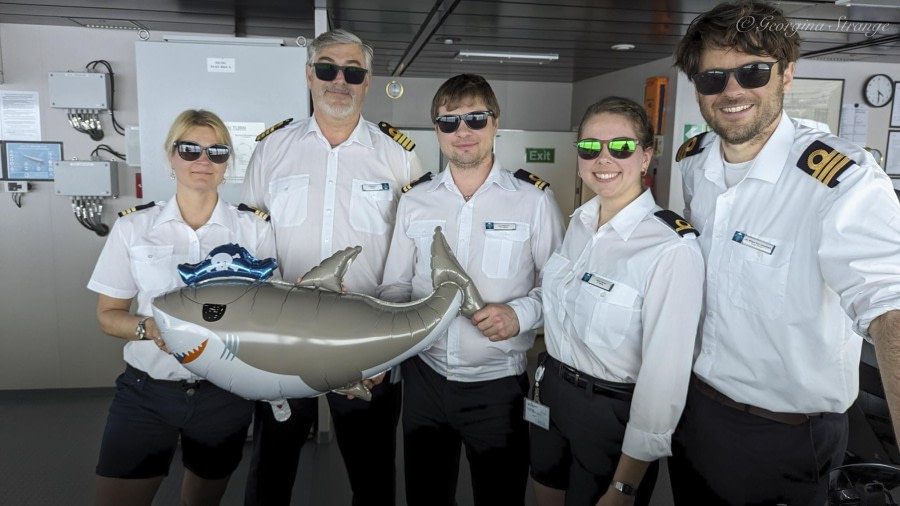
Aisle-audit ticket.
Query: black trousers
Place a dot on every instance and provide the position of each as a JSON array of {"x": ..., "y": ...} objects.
[
  {"x": 366, "y": 433},
  {"x": 486, "y": 417},
  {"x": 722, "y": 455}
]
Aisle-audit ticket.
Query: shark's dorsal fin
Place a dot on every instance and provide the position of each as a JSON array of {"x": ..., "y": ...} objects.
[
  {"x": 445, "y": 268},
  {"x": 329, "y": 274}
]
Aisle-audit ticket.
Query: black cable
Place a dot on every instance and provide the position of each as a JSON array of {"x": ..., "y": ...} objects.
[
  {"x": 108, "y": 149},
  {"x": 112, "y": 92},
  {"x": 17, "y": 199}
]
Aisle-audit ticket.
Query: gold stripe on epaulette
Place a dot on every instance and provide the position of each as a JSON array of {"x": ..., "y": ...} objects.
[{"x": 272, "y": 128}]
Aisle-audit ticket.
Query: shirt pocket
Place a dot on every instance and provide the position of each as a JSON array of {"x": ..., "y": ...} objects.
[
  {"x": 604, "y": 317},
  {"x": 371, "y": 206},
  {"x": 154, "y": 268},
  {"x": 759, "y": 284},
  {"x": 422, "y": 233},
  {"x": 290, "y": 197},
  {"x": 503, "y": 248}
]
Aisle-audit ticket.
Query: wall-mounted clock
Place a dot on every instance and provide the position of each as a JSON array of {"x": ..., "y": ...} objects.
[
  {"x": 878, "y": 90},
  {"x": 394, "y": 89}
]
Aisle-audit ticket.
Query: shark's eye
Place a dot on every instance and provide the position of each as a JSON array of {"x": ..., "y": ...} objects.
[{"x": 213, "y": 312}]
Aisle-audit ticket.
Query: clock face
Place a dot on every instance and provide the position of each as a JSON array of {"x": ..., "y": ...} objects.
[{"x": 879, "y": 90}]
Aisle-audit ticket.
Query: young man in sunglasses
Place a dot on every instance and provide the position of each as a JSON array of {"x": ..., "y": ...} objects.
[
  {"x": 799, "y": 232},
  {"x": 330, "y": 182},
  {"x": 468, "y": 389}
]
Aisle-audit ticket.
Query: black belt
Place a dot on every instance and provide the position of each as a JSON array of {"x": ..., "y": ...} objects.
[
  {"x": 620, "y": 391},
  {"x": 186, "y": 385},
  {"x": 785, "y": 418}
]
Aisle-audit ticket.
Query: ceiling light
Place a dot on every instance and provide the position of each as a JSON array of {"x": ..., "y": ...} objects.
[
  {"x": 499, "y": 56},
  {"x": 622, "y": 47}
]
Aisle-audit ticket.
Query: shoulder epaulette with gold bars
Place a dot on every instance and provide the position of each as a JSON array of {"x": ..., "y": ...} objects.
[
  {"x": 262, "y": 214},
  {"x": 824, "y": 163},
  {"x": 135, "y": 209},
  {"x": 691, "y": 147},
  {"x": 528, "y": 177},
  {"x": 424, "y": 177},
  {"x": 272, "y": 128},
  {"x": 398, "y": 136},
  {"x": 678, "y": 224}
]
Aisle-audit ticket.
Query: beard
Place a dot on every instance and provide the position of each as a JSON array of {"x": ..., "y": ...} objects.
[
  {"x": 339, "y": 111},
  {"x": 767, "y": 111}
]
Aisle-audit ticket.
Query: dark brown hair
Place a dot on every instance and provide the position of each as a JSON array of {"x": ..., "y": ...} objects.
[
  {"x": 750, "y": 27},
  {"x": 462, "y": 88}
]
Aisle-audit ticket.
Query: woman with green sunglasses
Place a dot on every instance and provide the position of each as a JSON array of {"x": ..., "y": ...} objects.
[{"x": 622, "y": 299}]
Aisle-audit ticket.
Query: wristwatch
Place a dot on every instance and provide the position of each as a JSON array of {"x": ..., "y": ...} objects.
[
  {"x": 141, "y": 331},
  {"x": 624, "y": 488}
]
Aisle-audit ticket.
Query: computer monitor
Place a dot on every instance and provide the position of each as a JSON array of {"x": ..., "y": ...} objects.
[{"x": 29, "y": 160}]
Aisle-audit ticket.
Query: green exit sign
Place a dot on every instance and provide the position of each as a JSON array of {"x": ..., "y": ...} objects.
[{"x": 540, "y": 155}]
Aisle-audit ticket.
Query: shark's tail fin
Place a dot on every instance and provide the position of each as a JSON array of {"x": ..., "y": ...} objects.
[{"x": 446, "y": 269}]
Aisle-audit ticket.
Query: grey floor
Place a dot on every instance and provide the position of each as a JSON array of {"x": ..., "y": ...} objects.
[{"x": 49, "y": 441}]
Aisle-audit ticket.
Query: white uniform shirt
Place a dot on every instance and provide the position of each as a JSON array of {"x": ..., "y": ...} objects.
[
  {"x": 323, "y": 199},
  {"x": 778, "y": 327},
  {"x": 502, "y": 237},
  {"x": 621, "y": 303},
  {"x": 141, "y": 257}
]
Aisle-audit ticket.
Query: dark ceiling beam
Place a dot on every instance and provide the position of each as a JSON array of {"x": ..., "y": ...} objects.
[
  {"x": 433, "y": 21},
  {"x": 854, "y": 45}
]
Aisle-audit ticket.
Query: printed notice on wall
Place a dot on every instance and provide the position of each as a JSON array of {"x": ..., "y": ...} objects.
[
  {"x": 243, "y": 138},
  {"x": 220, "y": 64},
  {"x": 20, "y": 116},
  {"x": 855, "y": 123}
]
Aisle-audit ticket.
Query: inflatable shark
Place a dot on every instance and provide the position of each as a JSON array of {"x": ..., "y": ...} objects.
[{"x": 275, "y": 340}]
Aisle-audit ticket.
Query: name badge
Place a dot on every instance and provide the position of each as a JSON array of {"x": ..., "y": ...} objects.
[
  {"x": 376, "y": 187},
  {"x": 491, "y": 225},
  {"x": 757, "y": 244},
  {"x": 597, "y": 281},
  {"x": 537, "y": 414}
]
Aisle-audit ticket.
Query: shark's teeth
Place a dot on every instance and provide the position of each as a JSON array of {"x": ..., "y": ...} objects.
[{"x": 193, "y": 354}]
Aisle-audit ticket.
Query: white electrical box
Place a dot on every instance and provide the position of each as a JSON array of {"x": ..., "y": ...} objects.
[
  {"x": 79, "y": 90},
  {"x": 86, "y": 179}
]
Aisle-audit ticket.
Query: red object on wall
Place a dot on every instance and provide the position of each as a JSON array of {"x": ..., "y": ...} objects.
[{"x": 138, "y": 186}]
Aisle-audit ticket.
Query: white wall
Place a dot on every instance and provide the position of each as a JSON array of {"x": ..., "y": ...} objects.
[{"x": 49, "y": 337}]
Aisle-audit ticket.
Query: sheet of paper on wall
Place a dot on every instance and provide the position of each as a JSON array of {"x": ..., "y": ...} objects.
[
  {"x": 243, "y": 138},
  {"x": 20, "y": 116},
  {"x": 892, "y": 159},
  {"x": 855, "y": 123}
]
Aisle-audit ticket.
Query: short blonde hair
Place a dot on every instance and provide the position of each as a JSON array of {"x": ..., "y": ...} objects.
[{"x": 196, "y": 118}]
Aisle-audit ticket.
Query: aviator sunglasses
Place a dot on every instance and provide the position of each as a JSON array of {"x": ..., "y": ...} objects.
[
  {"x": 749, "y": 76},
  {"x": 191, "y": 151},
  {"x": 620, "y": 147},
  {"x": 329, "y": 72},
  {"x": 449, "y": 123}
]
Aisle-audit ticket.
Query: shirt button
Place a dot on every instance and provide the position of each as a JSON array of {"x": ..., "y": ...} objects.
[{"x": 709, "y": 314}]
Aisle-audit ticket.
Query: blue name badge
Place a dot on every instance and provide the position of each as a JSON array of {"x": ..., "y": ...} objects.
[
  {"x": 752, "y": 242},
  {"x": 593, "y": 279},
  {"x": 376, "y": 187},
  {"x": 493, "y": 225}
]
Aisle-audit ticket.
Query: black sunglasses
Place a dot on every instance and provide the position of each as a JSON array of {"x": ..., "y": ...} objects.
[
  {"x": 449, "y": 123},
  {"x": 190, "y": 151},
  {"x": 620, "y": 147},
  {"x": 749, "y": 76},
  {"x": 329, "y": 72}
]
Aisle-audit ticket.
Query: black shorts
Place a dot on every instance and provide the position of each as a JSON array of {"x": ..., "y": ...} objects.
[{"x": 147, "y": 417}]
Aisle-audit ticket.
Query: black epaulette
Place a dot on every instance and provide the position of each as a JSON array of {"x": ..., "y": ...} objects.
[
  {"x": 530, "y": 178},
  {"x": 424, "y": 177},
  {"x": 262, "y": 214},
  {"x": 397, "y": 135},
  {"x": 677, "y": 223},
  {"x": 691, "y": 147},
  {"x": 824, "y": 163},
  {"x": 272, "y": 128},
  {"x": 135, "y": 209}
]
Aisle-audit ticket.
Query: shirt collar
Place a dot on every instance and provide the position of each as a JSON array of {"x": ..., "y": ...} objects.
[
  {"x": 360, "y": 134},
  {"x": 498, "y": 176},
  {"x": 626, "y": 220},
  {"x": 169, "y": 211},
  {"x": 769, "y": 162}
]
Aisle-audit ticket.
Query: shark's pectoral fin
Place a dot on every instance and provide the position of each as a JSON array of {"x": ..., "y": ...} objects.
[
  {"x": 357, "y": 390},
  {"x": 281, "y": 410},
  {"x": 329, "y": 274}
]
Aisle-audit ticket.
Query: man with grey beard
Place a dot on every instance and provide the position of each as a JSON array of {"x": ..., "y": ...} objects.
[
  {"x": 329, "y": 182},
  {"x": 799, "y": 232}
]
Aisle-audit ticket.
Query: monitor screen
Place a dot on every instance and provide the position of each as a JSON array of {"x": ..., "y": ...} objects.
[{"x": 30, "y": 160}]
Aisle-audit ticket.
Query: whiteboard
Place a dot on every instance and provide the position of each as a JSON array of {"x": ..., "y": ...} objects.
[{"x": 243, "y": 84}]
